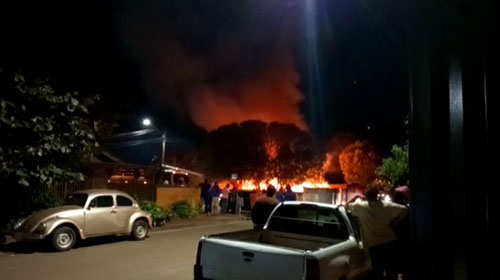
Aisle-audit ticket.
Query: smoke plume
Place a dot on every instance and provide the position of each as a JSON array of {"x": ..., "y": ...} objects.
[
  {"x": 216, "y": 65},
  {"x": 269, "y": 95}
]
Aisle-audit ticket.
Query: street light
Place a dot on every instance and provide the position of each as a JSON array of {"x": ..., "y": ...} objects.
[{"x": 148, "y": 122}]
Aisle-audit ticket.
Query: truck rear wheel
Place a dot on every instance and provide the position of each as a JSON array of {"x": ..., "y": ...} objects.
[
  {"x": 140, "y": 230},
  {"x": 63, "y": 238}
]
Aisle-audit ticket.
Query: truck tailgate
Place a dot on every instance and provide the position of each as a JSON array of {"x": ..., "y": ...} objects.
[{"x": 228, "y": 259}]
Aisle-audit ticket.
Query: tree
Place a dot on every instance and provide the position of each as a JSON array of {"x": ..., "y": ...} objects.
[
  {"x": 259, "y": 150},
  {"x": 331, "y": 167},
  {"x": 358, "y": 162},
  {"x": 395, "y": 168},
  {"x": 46, "y": 135}
]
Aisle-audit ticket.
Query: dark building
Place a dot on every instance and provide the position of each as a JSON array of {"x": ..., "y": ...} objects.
[{"x": 453, "y": 142}]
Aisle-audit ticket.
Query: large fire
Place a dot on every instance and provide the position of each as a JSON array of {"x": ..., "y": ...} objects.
[{"x": 250, "y": 185}]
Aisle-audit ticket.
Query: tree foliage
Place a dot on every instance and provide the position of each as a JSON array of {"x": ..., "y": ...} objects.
[
  {"x": 358, "y": 162},
  {"x": 258, "y": 150},
  {"x": 46, "y": 134},
  {"x": 395, "y": 168},
  {"x": 337, "y": 144}
]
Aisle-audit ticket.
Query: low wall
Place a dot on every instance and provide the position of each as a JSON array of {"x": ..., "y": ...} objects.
[
  {"x": 167, "y": 196},
  {"x": 320, "y": 195}
]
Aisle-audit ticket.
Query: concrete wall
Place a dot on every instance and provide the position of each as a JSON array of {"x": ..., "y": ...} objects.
[
  {"x": 167, "y": 196},
  {"x": 319, "y": 195}
]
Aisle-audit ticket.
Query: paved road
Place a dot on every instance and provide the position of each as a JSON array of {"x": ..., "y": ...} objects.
[{"x": 164, "y": 255}]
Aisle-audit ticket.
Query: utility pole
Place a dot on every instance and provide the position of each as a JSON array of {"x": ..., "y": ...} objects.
[
  {"x": 148, "y": 122},
  {"x": 163, "y": 147}
]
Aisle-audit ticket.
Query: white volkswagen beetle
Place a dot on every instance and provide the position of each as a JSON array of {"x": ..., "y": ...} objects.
[{"x": 88, "y": 213}]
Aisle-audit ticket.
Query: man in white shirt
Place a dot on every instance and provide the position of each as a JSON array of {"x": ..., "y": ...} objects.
[{"x": 376, "y": 220}]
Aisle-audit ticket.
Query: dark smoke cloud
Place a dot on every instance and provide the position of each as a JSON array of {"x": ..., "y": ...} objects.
[{"x": 217, "y": 62}]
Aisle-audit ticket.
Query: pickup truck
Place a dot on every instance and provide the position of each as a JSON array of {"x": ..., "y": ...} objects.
[{"x": 301, "y": 240}]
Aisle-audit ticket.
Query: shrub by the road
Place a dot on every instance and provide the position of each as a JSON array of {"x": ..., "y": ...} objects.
[
  {"x": 22, "y": 201},
  {"x": 183, "y": 209},
  {"x": 159, "y": 215},
  {"x": 44, "y": 200}
]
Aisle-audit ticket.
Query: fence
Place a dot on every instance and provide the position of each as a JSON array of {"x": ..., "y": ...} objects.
[{"x": 139, "y": 191}]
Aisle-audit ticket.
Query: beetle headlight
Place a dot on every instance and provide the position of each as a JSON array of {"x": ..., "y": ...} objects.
[
  {"x": 40, "y": 228},
  {"x": 18, "y": 224}
]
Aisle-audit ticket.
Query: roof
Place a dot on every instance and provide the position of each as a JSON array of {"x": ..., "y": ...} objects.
[
  {"x": 105, "y": 157},
  {"x": 102, "y": 191},
  {"x": 175, "y": 168},
  {"x": 335, "y": 178},
  {"x": 309, "y": 202}
]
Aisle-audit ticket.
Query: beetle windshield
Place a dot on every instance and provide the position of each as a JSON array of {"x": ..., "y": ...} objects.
[{"x": 77, "y": 199}]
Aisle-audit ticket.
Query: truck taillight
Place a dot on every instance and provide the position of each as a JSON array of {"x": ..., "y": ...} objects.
[{"x": 312, "y": 269}]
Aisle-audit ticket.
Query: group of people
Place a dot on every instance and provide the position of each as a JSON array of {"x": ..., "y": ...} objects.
[
  {"x": 384, "y": 227},
  {"x": 215, "y": 200},
  {"x": 265, "y": 204}
]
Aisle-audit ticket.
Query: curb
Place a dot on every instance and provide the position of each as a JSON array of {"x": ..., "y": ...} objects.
[{"x": 208, "y": 221}]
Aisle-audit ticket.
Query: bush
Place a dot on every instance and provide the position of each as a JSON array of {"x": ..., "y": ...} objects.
[
  {"x": 159, "y": 215},
  {"x": 21, "y": 201},
  {"x": 395, "y": 168},
  {"x": 183, "y": 209},
  {"x": 44, "y": 200}
]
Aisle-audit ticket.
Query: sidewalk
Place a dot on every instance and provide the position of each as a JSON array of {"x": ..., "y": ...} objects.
[{"x": 201, "y": 220}]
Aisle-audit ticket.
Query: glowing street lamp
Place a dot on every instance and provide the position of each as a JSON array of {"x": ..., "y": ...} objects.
[{"x": 148, "y": 122}]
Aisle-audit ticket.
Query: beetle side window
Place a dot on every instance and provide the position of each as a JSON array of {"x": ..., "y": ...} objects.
[
  {"x": 102, "y": 201},
  {"x": 123, "y": 201}
]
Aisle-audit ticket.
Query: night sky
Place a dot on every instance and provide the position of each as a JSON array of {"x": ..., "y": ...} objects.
[{"x": 329, "y": 66}]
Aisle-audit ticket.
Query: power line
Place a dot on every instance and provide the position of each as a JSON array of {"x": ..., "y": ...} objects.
[
  {"x": 140, "y": 142},
  {"x": 131, "y": 134}
]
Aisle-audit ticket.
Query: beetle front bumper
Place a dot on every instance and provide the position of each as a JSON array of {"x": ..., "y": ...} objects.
[{"x": 22, "y": 236}]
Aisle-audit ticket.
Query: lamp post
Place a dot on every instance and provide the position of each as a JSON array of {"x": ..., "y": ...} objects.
[{"x": 148, "y": 122}]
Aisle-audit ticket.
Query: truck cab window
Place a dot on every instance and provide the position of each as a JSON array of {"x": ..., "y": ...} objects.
[{"x": 309, "y": 220}]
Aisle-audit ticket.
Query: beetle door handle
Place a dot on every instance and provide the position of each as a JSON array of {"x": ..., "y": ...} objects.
[{"x": 113, "y": 211}]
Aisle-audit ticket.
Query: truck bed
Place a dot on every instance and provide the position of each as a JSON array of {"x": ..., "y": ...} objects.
[{"x": 280, "y": 239}]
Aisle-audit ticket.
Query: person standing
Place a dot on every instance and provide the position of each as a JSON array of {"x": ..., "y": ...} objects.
[
  {"x": 239, "y": 203},
  {"x": 280, "y": 195},
  {"x": 377, "y": 219},
  {"x": 224, "y": 199},
  {"x": 289, "y": 195},
  {"x": 263, "y": 207},
  {"x": 215, "y": 194},
  {"x": 402, "y": 231},
  {"x": 206, "y": 196},
  {"x": 231, "y": 204}
]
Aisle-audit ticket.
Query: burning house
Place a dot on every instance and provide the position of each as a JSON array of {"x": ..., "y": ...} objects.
[{"x": 259, "y": 154}]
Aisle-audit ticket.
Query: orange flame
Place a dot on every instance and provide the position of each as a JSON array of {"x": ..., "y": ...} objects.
[
  {"x": 272, "y": 148},
  {"x": 250, "y": 185}
]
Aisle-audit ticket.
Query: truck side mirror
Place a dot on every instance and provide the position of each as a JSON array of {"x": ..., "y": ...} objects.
[{"x": 92, "y": 204}]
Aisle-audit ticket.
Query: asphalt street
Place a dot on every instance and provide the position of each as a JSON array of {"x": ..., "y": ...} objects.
[{"x": 164, "y": 255}]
